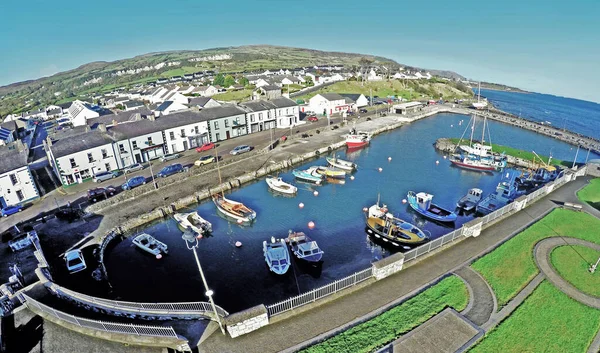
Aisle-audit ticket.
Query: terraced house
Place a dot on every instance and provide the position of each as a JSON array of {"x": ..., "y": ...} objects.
[{"x": 16, "y": 183}]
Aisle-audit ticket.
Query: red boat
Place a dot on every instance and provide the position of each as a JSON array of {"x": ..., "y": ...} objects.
[
  {"x": 357, "y": 139},
  {"x": 471, "y": 164}
]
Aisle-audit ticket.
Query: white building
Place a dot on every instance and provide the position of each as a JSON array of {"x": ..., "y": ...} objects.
[
  {"x": 80, "y": 112},
  {"x": 169, "y": 107},
  {"x": 328, "y": 103},
  {"x": 16, "y": 183},
  {"x": 260, "y": 115},
  {"x": 358, "y": 100}
]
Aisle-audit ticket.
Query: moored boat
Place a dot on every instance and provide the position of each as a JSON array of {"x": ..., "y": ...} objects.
[
  {"x": 506, "y": 192},
  {"x": 277, "y": 184},
  {"x": 276, "y": 255},
  {"x": 303, "y": 247},
  {"x": 421, "y": 203},
  {"x": 331, "y": 173},
  {"x": 233, "y": 209},
  {"x": 383, "y": 225},
  {"x": 149, "y": 244},
  {"x": 194, "y": 222},
  {"x": 470, "y": 200},
  {"x": 307, "y": 176},
  {"x": 357, "y": 138},
  {"x": 341, "y": 164},
  {"x": 471, "y": 163}
]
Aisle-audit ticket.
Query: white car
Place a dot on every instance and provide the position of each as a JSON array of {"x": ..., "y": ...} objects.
[
  {"x": 75, "y": 261},
  {"x": 133, "y": 168},
  {"x": 168, "y": 157}
]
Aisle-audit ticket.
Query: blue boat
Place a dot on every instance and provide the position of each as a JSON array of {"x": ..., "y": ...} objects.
[
  {"x": 309, "y": 176},
  {"x": 421, "y": 203},
  {"x": 506, "y": 192},
  {"x": 276, "y": 255}
]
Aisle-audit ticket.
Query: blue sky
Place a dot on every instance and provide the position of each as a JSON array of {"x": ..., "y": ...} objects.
[{"x": 543, "y": 46}]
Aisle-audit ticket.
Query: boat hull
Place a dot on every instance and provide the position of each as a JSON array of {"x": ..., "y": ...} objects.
[
  {"x": 282, "y": 187},
  {"x": 224, "y": 212},
  {"x": 356, "y": 144},
  {"x": 447, "y": 217},
  {"x": 391, "y": 240},
  {"x": 478, "y": 168}
]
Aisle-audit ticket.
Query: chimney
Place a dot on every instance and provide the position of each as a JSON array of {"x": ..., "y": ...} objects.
[
  {"x": 102, "y": 127},
  {"x": 151, "y": 117},
  {"x": 114, "y": 122}
]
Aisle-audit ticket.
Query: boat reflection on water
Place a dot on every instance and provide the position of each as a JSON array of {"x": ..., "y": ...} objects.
[{"x": 353, "y": 153}]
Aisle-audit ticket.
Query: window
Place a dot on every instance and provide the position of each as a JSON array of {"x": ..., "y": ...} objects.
[
  {"x": 196, "y": 130},
  {"x": 268, "y": 115},
  {"x": 72, "y": 161},
  {"x": 107, "y": 167},
  {"x": 182, "y": 132},
  {"x": 251, "y": 118},
  {"x": 90, "y": 157},
  {"x": 226, "y": 122},
  {"x": 217, "y": 126},
  {"x": 172, "y": 135},
  {"x": 260, "y": 116},
  {"x": 104, "y": 154},
  {"x": 13, "y": 179},
  {"x": 20, "y": 195},
  {"x": 286, "y": 111},
  {"x": 218, "y": 137},
  {"x": 150, "y": 141},
  {"x": 134, "y": 144},
  {"x": 121, "y": 149}
]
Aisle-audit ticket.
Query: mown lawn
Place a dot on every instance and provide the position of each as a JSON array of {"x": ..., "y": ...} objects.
[
  {"x": 573, "y": 263},
  {"x": 526, "y": 155},
  {"x": 509, "y": 267},
  {"x": 548, "y": 321},
  {"x": 365, "y": 337},
  {"x": 591, "y": 193}
]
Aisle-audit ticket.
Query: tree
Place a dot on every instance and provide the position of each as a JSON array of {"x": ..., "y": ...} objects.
[
  {"x": 219, "y": 80},
  {"x": 244, "y": 81},
  {"x": 228, "y": 81},
  {"x": 365, "y": 63},
  {"x": 309, "y": 80}
]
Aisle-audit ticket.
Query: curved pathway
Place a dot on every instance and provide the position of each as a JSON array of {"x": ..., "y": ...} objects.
[{"x": 482, "y": 303}]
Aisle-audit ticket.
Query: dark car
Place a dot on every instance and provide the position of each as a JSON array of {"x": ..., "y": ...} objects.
[
  {"x": 170, "y": 170},
  {"x": 97, "y": 194},
  {"x": 362, "y": 110},
  {"x": 9, "y": 210},
  {"x": 133, "y": 182}
]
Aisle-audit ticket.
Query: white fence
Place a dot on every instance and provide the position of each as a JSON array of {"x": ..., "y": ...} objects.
[
  {"x": 318, "y": 293},
  {"x": 126, "y": 329}
]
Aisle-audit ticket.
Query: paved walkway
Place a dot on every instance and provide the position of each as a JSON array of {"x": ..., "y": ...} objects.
[
  {"x": 482, "y": 302},
  {"x": 313, "y": 325}
]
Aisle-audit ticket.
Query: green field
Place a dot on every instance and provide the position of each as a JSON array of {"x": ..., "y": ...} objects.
[
  {"x": 548, "y": 321},
  {"x": 509, "y": 267},
  {"x": 509, "y": 151},
  {"x": 591, "y": 193},
  {"x": 573, "y": 263},
  {"x": 241, "y": 95},
  {"x": 365, "y": 337}
]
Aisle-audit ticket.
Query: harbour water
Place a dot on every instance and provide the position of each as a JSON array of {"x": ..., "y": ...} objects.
[{"x": 239, "y": 276}]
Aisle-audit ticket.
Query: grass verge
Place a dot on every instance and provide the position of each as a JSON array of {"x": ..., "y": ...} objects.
[
  {"x": 591, "y": 193},
  {"x": 541, "y": 325},
  {"x": 240, "y": 95},
  {"x": 526, "y": 155},
  {"x": 509, "y": 267},
  {"x": 573, "y": 262},
  {"x": 365, "y": 337}
]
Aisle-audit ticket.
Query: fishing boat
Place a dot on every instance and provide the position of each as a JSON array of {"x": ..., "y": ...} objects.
[
  {"x": 477, "y": 155},
  {"x": 470, "y": 200},
  {"x": 276, "y": 255},
  {"x": 471, "y": 163},
  {"x": 506, "y": 192},
  {"x": 308, "y": 175},
  {"x": 383, "y": 225},
  {"x": 233, "y": 209},
  {"x": 479, "y": 105},
  {"x": 303, "y": 247},
  {"x": 277, "y": 184},
  {"x": 331, "y": 173},
  {"x": 341, "y": 164},
  {"x": 149, "y": 244},
  {"x": 357, "y": 138},
  {"x": 194, "y": 222},
  {"x": 421, "y": 203}
]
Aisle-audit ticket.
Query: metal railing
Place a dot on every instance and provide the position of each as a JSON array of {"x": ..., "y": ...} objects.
[
  {"x": 40, "y": 258},
  {"x": 149, "y": 309},
  {"x": 318, "y": 293},
  {"x": 127, "y": 329},
  {"x": 432, "y": 245}
]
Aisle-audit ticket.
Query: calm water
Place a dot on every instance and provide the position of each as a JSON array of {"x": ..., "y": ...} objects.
[
  {"x": 240, "y": 277},
  {"x": 573, "y": 114}
]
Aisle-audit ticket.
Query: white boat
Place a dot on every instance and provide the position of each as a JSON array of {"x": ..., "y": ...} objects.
[
  {"x": 233, "y": 209},
  {"x": 357, "y": 138},
  {"x": 193, "y": 221},
  {"x": 470, "y": 200},
  {"x": 276, "y": 255},
  {"x": 480, "y": 104},
  {"x": 277, "y": 184},
  {"x": 303, "y": 247},
  {"x": 341, "y": 164},
  {"x": 149, "y": 244}
]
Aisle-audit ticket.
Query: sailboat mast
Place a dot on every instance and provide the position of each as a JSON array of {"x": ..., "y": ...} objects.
[
  {"x": 219, "y": 171},
  {"x": 483, "y": 131},
  {"x": 472, "y": 130},
  {"x": 479, "y": 92}
]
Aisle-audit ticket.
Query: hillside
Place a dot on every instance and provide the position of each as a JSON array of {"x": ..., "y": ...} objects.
[{"x": 105, "y": 76}]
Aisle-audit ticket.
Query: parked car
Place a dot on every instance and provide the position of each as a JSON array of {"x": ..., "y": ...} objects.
[
  {"x": 169, "y": 157},
  {"x": 170, "y": 170},
  {"x": 74, "y": 260},
  {"x": 312, "y": 118},
  {"x": 133, "y": 168},
  {"x": 240, "y": 149},
  {"x": 134, "y": 182},
  {"x": 102, "y": 176},
  {"x": 362, "y": 110},
  {"x": 8, "y": 210},
  {"x": 309, "y": 113},
  {"x": 97, "y": 194},
  {"x": 204, "y": 160},
  {"x": 205, "y": 147}
]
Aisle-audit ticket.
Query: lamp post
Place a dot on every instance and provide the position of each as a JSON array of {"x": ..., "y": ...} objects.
[
  {"x": 152, "y": 175},
  {"x": 191, "y": 243}
]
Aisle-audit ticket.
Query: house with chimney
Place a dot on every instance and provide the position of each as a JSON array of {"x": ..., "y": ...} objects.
[{"x": 16, "y": 182}]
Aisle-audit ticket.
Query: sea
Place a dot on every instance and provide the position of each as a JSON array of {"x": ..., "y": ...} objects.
[{"x": 576, "y": 115}]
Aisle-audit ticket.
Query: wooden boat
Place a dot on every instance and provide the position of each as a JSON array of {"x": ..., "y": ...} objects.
[
  {"x": 331, "y": 173},
  {"x": 277, "y": 184},
  {"x": 149, "y": 244},
  {"x": 303, "y": 247},
  {"x": 308, "y": 176},
  {"x": 276, "y": 255},
  {"x": 194, "y": 222},
  {"x": 471, "y": 163},
  {"x": 383, "y": 225},
  {"x": 506, "y": 192},
  {"x": 233, "y": 209},
  {"x": 341, "y": 164},
  {"x": 357, "y": 138},
  {"x": 470, "y": 200},
  {"x": 421, "y": 203}
]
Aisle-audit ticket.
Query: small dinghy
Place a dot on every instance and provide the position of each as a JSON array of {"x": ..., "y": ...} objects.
[
  {"x": 331, "y": 173},
  {"x": 277, "y": 184},
  {"x": 307, "y": 176},
  {"x": 233, "y": 209},
  {"x": 470, "y": 200},
  {"x": 149, "y": 244},
  {"x": 276, "y": 255},
  {"x": 193, "y": 221},
  {"x": 341, "y": 164},
  {"x": 303, "y": 247},
  {"x": 421, "y": 203}
]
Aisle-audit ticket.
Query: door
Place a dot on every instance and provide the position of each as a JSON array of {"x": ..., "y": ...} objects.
[
  {"x": 2, "y": 202},
  {"x": 138, "y": 158},
  {"x": 185, "y": 145},
  {"x": 227, "y": 135},
  {"x": 78, "y": 178}
]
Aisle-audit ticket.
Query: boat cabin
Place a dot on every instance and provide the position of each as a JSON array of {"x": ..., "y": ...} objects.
[{"x": 424, "y": 200}]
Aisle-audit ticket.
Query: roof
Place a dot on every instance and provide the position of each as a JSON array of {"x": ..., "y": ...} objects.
[
  {"x": 353, "y": 96},
  {"x": 54, "y": 111},
  {"x": 407, "y": 105},
  {"x": 121, "y": 117},
  {"x": 199, "y": 101},
  {"x": 80, "y": 142},
  {"x": 11, "y": 158},
  {"x": 258, "y": 105},
  {"x": 271, "y": 88},
  {"x": 283, "y": 102},
  {"x": 331, "y": 96},
  {"x": 133, "y": 104}
]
